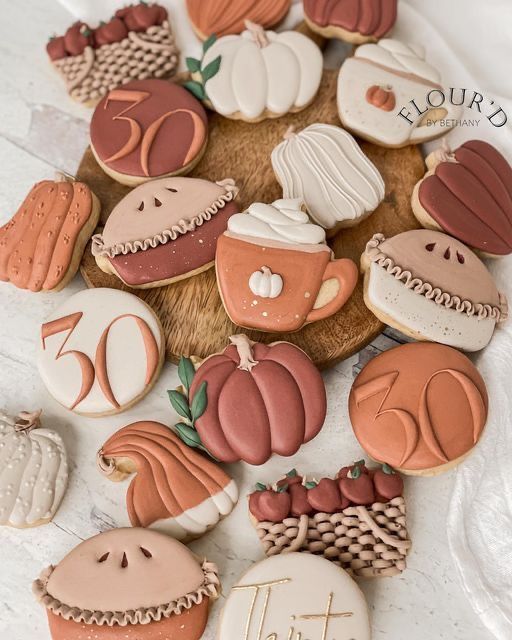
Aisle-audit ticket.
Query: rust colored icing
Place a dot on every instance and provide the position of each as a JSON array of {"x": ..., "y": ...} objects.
[
  {"x": 38, "y": 243},
  {"x": 418, "y": 406},
  {"x": 270, "y": 505},
  {"x": 177, "y": 257},
  {"x": 189, "y": 625},
  {"x": 381, "y": 98},
  {"x": 148, "y": 128},
  {"x": 368, "y": 17},
  {"x": 471, "y": 198},
  {"x": 255, "y": 410}
]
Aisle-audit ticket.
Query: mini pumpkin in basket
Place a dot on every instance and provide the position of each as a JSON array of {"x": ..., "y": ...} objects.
[{"x": 356, "y": 520}]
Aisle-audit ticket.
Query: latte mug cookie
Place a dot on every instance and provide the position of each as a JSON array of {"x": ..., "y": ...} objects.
[
  {"x": 468, "y": 194},
  {"x": 430, "y": 286},
  {"x": 148, "y": 129},
  {"x": 421, "y": 407},
  {"x": 388, "y": 94},
  {"x": 101, "y": 351},
  {"x": 354, "y": 21},
  {"x": 276, "y": 273},
  {"x": 42, "y": 245},
  {"x": 295, "y": 595},
  {"x": 165, "y": 230},
  {"x": 128, "y": 583}
]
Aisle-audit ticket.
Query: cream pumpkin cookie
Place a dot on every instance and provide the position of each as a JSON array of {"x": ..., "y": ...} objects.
[
  {"x": 432, "y": 287},
  {"x": 165, "y": 230}
]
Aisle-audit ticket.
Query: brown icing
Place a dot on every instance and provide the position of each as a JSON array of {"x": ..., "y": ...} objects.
[
  {"x": 37, "y": 245},
  {"x": 418, "y": 406},
  {"x": 148, "y": 128},
  {"x": 381, "y": 98},
  {"x": 471, "y": 197},
  {"x": 368, "y": 17}
]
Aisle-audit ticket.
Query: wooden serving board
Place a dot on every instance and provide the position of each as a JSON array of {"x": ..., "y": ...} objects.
[{"x": 191, "y": 311}]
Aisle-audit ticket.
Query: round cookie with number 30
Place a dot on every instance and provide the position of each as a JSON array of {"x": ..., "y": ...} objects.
[{"x": 101, "y": 351}]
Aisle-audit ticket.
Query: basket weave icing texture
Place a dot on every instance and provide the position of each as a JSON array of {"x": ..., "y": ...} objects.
[{"x": 365, "y": 541}]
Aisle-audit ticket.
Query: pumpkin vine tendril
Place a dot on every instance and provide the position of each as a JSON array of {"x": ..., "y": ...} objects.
[{"x": 201, "y": 73}]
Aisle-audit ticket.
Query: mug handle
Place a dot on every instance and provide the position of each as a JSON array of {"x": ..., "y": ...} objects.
[
  {"x": 425, "y": 132},
  {"x": 346, "y": 273}
]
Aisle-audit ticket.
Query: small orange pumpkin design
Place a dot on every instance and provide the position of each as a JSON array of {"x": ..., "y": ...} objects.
[{"x": 381, "y": 98}]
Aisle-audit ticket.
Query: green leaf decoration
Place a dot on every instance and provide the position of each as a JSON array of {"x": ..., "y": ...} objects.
[
  {"x": 282, "y": 488},
  {"x": 360, "y": 463},
  {"x": 260, "y": 486},
  {"x": 211, "y": 69},
  {"x": 310, "y": 485},
  {"x": 356, "y": 472},
  {"x": 292, "y": 473},
  {"x": 199, "y": 402},
  {"x": 186, "y": 372},
  {"x": 388, "y": 469},
  {"x": 189, "y": 435},
  {"x": 196, "y": 89},
  {"x": 208, "y": 42},
  {"x": 180, "y": 404},
  {"x": 193, "y": 65}
]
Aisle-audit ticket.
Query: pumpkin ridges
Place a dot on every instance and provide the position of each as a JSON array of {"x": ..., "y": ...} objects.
[{"x": 493, "y": 157}]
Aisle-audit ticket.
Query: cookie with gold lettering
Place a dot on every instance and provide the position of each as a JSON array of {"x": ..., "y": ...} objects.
[
  {"x": 101, "y": 351},
  {"x": 148, "y": 129}
]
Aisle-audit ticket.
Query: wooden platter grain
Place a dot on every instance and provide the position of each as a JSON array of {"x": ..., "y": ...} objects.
[{"x": 191, "y": 311}]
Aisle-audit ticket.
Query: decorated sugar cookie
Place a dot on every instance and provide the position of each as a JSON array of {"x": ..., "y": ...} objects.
[
  {"x": 295, "y": 595},
  {"x": 324, "y": 166},
  {"x": 165, "y": 230},
  {"x": 421, "y": 406},
  {"x": 136, "y": 43},
  {"x": 389, "y": 94},
  {"x": 225, "y": 17},
  {"x": 432, "y": 287},
  {"x": 176, "y": 490},
  {"x": 356, "y": 519},
  {"x": 148, "y": 129},
  {"x": 233, "y": 405},
  {"x": 42, "y": 245},
  {"x": 468, "y": 194},
  {"x": 258, "y": 74},
  {"x": 101, "y": 351},
  {"x": 128, "y": 583},
  {"x": 275, "y": 271},
  {"x": 33, "y": 471}
]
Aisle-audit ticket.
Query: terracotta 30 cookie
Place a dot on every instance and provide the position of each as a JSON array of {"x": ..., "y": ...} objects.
[
  {"x": 42, "y": 245},
  {"x": 165, "y": 230},
  {"x": 34, "y": 471},
  {"x": 325, "y": 167},
  {"x": 148, "y": 129},
  {"x": 355, "y": 21},
  {"x": 233, "y": 405},
  {"x": 296, "y": 595},
  {"x": 276, "y": 273},
  {"x": 421, "y": 406},
  {"x": 128, "y": 583},
  {"x": 176, "y": 490},
  {"x": 468, "y": 194},
  {"x": 382, "y": 81},
  {"x": 432, "y": 287},
  {"x": 101, "y": 351}
]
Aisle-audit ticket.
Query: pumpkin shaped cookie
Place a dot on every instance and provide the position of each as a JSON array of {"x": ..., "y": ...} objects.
[{"x": 250, "y": 401}]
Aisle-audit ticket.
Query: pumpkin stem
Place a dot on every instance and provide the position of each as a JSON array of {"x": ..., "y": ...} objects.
[
  {"x": 244, "y": 347},
  {"x": 443, "y": 154},
  {"x": 106, "y": 466},
  {"x": 28, "y": 420},
  {"x": 289, "y": 133},
  {"x": 258, "y": 33}
]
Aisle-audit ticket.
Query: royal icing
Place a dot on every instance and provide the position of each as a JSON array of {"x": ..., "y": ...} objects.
[
  {"x": 420, "y": 406},
  {"x": 33, "y": 471},
  {"x": 37, "y": 246},
  {"x": 266, "y": 284},
  {"x": 83, "y": 359},
  {"x": 324, "y": 166},
  {"x": 398, "y": 68},
  {"x": 176, "y": 490},
  {"x": 295, "y": 596},
  {"x": 372, "y": 18}
]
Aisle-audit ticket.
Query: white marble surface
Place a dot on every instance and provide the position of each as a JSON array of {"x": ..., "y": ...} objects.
[{"x": 40, "y": 131}]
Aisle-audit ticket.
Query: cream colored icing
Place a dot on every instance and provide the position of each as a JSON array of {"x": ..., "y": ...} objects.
[
  {"x": 266, "y": 284},
  {"x": 398, "y": 56},
  {"x": 33, "y": 473},
  {"x": 324, "y": 166},
  {"x": 159, "y": 211},
  {"x": 282, "y": 221},
  {"x": 277, "y": 75}
]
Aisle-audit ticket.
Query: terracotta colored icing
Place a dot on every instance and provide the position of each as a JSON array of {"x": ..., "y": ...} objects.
[
  {"x": 148, "y": 128},
  {"x": 223, "y": 17},
  {"x": 83, "y": 359},
  {"x": 176, "y": 490},
  {"x": 243, "y": 419},
  {"x": 381, "y": 98},
  {"x": 367, "y": 17},
  {"x": 37, "y": 245},
  {"x": 324, "y": 166},
  {"x": 418, "y": 406},
  {"x": 470, "y": 197},
  {"x": 33, "y": 471}
]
